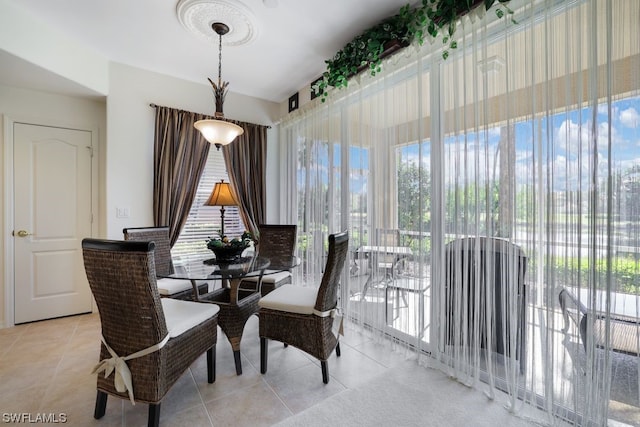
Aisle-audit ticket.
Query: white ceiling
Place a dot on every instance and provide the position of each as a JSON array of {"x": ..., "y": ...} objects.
[{"x": 294, "y": 38}]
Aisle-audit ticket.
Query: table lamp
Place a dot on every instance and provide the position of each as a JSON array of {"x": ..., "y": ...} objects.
[{"x": 221, "y": 196}]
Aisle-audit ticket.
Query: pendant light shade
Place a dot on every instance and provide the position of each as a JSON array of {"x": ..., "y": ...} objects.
[{"x": 218, "y": 131}]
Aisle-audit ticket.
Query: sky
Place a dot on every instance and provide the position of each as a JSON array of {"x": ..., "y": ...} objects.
[
  {"x": 570, "y": 137},
  {"x": 566, "y": 158}
]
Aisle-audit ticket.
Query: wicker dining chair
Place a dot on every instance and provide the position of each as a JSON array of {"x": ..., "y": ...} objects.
[
  {"x": 304, "y": 317},
  {"x": 157, "y": 338},
  {"x": 277, "y": 242},
  {"x": 173, "y": 288}
]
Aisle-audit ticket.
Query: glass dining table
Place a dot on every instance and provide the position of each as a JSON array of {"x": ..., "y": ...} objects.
[{"x": 237, "y": 303}]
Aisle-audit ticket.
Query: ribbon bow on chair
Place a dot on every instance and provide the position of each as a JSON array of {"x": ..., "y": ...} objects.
[{"x": 122, "y": 379}]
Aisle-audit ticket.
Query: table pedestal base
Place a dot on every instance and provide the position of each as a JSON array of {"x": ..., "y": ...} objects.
[{"x": 233, "y": 316}]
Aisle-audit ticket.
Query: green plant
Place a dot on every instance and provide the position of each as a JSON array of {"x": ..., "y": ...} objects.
[
  {"x": 624, "y": 271},
  {"x": 432, "y": 17},
  {"x": 236, "y": 243}
]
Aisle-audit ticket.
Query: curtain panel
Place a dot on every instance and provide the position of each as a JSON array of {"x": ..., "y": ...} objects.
[
  {"x": 246, "y": 160},
  {"x": 180, "y": 154},
  {"x": 511, "y": 172}
]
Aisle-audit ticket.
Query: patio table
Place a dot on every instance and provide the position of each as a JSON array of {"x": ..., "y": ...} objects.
[{"x": 374, "y": 253}]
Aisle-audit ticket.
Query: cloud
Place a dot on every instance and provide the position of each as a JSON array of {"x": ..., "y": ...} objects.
[
  {"x": 570, "y": 136},
  {"x": 494, "y": 132},
  {"x": 603, "y": 135},
  {"x": 460, "y": 163},
  {"x": 630, "y": 118},
  {"x": 573, "y": 137},
  {"x": 603, "y": 109},
  {"x": 416, "y": 159}
]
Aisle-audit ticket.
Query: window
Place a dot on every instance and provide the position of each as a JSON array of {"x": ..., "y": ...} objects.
[{"x": 204, "y": 221}]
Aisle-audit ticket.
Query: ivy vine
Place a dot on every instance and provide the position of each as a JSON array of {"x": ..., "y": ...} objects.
[{"x": 435, "y": 18}]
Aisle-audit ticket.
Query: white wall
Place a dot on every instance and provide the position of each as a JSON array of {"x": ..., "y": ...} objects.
[{"x": 40, "y": 43}]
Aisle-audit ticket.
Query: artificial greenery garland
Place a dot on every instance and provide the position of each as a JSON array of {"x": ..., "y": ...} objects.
[{"x": 431, "y": 17}]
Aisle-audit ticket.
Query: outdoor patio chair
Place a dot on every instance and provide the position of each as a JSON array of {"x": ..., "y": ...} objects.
[
  {"x": 414, "y": 277},
  {"x": 491, "y": 270},
  {"x": 388, "y": 264},
  {"x": 623, "y": 330}
]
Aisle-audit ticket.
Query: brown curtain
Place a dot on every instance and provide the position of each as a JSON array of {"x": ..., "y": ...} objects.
[
  {"x": 246, "y": 160},
  {"x": 180, "y": 154}
]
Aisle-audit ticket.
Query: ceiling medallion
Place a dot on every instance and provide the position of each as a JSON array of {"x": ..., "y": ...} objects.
[{"x": 198, "y": 15}]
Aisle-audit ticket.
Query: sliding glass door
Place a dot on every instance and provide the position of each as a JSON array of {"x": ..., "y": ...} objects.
[{"x": 492, "y": 204}]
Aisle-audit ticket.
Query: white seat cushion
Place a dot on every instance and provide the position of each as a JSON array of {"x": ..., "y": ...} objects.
[
  {"x": 168, "y": 286},
  {"x": 181, "y": 316},
  {"x": 269, "y": 277},
  {"x": 291, "y": 298}
]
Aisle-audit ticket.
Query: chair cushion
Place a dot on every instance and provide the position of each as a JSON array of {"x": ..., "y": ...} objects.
[
  {"x": 181, "y": 316},
  {"x": 168, "y": 286},
  {"x": 291, "y": 298},
  {"x": 269, "y": 277}
]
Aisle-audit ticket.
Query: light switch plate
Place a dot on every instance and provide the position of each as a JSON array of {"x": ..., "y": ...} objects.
[{"x": 123, "y": 212}]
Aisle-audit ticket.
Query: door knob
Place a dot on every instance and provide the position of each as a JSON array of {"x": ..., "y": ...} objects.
[{"x": 22, "y": 233}]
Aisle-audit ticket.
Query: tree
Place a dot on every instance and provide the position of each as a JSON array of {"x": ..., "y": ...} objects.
[{"x": 414, "y": 197}]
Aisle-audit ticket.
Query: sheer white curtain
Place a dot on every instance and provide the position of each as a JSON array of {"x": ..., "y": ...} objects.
[{"x": 511, "y": 171}]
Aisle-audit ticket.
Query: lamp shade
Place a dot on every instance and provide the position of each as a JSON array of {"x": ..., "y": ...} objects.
[
  {"x": 218, "y": 132},
  {"x": 221, "y": 195}
]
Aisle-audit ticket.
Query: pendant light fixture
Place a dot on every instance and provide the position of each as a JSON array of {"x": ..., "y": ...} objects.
[{"x": 218, "y": 131}]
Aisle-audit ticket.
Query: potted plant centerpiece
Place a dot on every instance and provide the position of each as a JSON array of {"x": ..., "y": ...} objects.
[{"x": 228, "y": 250}]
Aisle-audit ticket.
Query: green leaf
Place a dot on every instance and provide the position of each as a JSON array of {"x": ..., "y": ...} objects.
[
  {"x": 432, "y": 29},
  {"x": 411, "y": 23}
]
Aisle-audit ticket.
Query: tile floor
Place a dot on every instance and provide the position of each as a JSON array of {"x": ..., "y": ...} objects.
[{"x": 45, "y": 369}]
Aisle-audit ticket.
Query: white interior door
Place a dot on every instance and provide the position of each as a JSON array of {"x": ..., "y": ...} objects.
[{"x": 52, "y": 214}]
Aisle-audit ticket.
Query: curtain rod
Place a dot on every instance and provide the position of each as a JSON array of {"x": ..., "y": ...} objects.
[{"x": 152, "y": 105}]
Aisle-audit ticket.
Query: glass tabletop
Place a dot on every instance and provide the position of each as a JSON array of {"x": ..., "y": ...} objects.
[{"x": 203, "y": 267}]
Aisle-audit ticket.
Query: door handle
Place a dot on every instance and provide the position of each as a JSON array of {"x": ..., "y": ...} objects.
[{"x": 22, "y": 233}]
